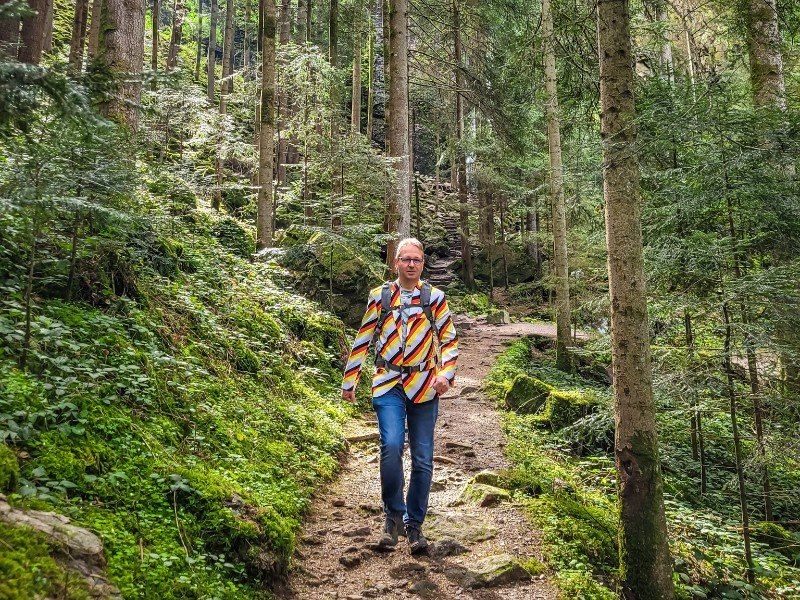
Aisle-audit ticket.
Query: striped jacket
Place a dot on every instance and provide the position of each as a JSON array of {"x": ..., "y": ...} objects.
[{"x": 419, "y": 348}]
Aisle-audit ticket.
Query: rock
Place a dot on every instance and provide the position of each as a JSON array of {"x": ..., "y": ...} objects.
[
  {"x": 526, "y": 394},
  {"x": 500, "y": 317},
  {"x": 467, "y": 529},
  {"x": 494, "y": 571},
  {"x": 338, "y": 502},
  {"x": 373, "y": 459},
  {"x": 370, "y": 508},
  {"x": 469, "y": 389},
  {"x": 438, "y": 486},
  {"x": 444, "y": 460},
  {"x": 423, "y": 587},
  {"x": 466, "y": 325},
  {"x": 469, "y": 453},
  {"x": 457, "y": 445},
  {"x": 406, "y": 570},
  {"x": 358, "y": 532},
  {"x": 350, "y": 560},
  {"x": 446, "y": 547},
  {"x": 370, "y": 593},
  {"x": 485, "y": 495},
  {"x": 363, "y": 437},
  {"x": 487, "y": 477},
  {"x": 563, "y": 408}
]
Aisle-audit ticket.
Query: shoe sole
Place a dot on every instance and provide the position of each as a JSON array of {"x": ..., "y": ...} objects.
[{"x": 418, "y": 548}]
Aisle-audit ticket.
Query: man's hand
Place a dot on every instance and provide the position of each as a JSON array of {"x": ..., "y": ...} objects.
[
  {"x": 440, "y": 384},
  {"x": 349, "y": 396}
]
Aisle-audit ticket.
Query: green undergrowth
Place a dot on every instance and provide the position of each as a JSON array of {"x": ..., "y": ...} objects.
[
  {"x": 188, "y": 424},
  {"x": 566, "y": 477}
]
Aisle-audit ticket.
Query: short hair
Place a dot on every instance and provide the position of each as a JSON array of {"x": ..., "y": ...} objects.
[{"x": 409, "y": 241}]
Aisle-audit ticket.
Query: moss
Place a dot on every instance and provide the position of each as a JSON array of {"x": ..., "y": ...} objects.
[
  {"x": 234, "y": 237},
  {"x": 534, "y": 566},
  {"x": 778, "y": 538},
  {"x": 244, "y": 359},
  {"x": 28, "y": 570},
  {"x": 563, "y": 408},
  {"x": 9, "y": 469},
  {"x": 526, "y": 395}
]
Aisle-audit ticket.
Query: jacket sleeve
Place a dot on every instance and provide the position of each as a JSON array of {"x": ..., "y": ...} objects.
[
  {"x": 448, "y": 340},
  {"x": 352, "y": 372}
]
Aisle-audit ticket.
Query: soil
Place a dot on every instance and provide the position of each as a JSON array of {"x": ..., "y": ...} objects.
[{"x": 335, "y": 558}]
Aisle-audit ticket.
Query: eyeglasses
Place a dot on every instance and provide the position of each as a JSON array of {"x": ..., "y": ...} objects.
[{"x": 411, "y": 261}]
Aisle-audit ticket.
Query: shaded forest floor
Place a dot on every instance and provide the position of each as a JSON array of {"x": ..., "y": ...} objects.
[{"x": 474, "y": 547}]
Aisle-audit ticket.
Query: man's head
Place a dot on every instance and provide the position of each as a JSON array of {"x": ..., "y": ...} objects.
[{"x": 408, "y": 261}]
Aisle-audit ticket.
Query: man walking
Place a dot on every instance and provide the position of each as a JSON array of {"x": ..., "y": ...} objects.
[{"x": 405, "y": 317}]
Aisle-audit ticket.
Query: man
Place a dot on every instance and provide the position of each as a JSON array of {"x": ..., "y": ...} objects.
[{"x": 408, "y": 380}]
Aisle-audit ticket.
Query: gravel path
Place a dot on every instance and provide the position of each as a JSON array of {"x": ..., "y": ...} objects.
[{"x": 335, "y": 559}]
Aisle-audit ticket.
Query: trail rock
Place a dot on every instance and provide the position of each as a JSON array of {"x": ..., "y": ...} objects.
[
  {"x": 350, "y": 560},
  {"x": 469, "y": 389},
  {"x": 457, "y": 446},
  {"x": 467, "y": 529},
  {"x": 358, "y": 532},
  {"x": 363, "y": 437},
  {"x": 494, "y": 571},
  {"x": 498, "y": 318},
  {"x": 446, "y": 547},
  {"x": 423, "y": 587},
  {"x": 488, "y": 478},
  {"x": 485, "y": 495},
  {"x": 444, "y": 460}
]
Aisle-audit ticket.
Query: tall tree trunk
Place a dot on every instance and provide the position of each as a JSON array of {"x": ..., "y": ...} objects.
[
  {"x": 532, "y": 235},
  {"x": 283, "y": 98},
  {"x": 698, "y": 439},
  {"x": 301, "y": 27},
  {"x": 33, "y": 33},
  {"x": 47, "y": 43},
  {"x": 461, "y": 161},
  {"x": 9, "y": 34},
  {"x": 645, "y": 564},
  {"x": 178, "y": 13},
  {"x": 224, "y": 90},
  {"x": 78, "y": 39},
  {"x": 156, "y": 38},
  {"x": 766, "y": 62},
  {"x": 560, "y": 266},
  {"x": 212, "y": 51},
  {"x": 370, "y": 70},
  {"x": 398, "y": 209},
  {"x": 120, "y": 53},
  {"x": 94, "y": 30},
  {"x": 266, "y": 148},
  {"x": 248, "y": 14},
  {"x": 199, "y": 51},
  {"x": 333, "y": 33},
  {"x": 355, "y": 103},
  {"x": 737, "y": 445},
  {"x": 386, "y": 74}
]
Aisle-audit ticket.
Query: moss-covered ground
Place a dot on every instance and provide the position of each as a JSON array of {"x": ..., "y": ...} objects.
[{"x": 564, "y": 472}]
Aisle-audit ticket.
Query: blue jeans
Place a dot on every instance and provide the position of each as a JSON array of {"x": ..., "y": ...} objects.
[{"x": 393, "y": 409}]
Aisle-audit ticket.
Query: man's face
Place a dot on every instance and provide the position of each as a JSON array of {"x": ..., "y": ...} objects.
[{"x": 409, "y": 264}]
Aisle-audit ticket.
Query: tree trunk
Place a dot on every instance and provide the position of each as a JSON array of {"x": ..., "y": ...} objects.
[
  {"x": 9, "y": 34},
  {"x": 120, "y": 53},
  {"x": 224, "y": 90},
  {"x": 283, "y": 104},
  {"x": 94, "y": 30},
  {"x": 461, "y": 161},
  {"x": 33, "y": 33},
  {"x": 766, "y": 62},
  {"x": 333, "y": 33},
  {"x": 212, "y": 51},
  {"x": 156, "y": 38},
  {"x": 248, "y": 14},
  {"x": 199, "y": 52},
  {"x": 355, "y": 103},
  {"x": 370, "y": 71},
  {"x": 737, "y": 445},
  {"x": 266, "y": 154},
  {"x": 645, "y": 564},
  {"x": 398, "y": 209},
  {"x": 301, "y": 28},
  {"x": 47, "y": 44},
  {"x": 178, "y": 13},
  {"x": 78, "y": 39},
  {"x": 560, "y": 266}
]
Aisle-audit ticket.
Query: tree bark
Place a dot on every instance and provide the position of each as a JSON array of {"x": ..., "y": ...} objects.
[
  {"x": 178, "y": 14},
  {"x": 78, "y": 39},
  {"x": 266, "y": 150},
  {"x": 9, "y": 34},
  {"x": 398, "y": 209},
  {"x": 47, "y": 43},
  {"x": 370, "y": 71},
  {"x": 283, "y": 98},
  {"x": 212, "y": 51},
  {"x": 33, "y": 33},
  {"x": 645, "y": 564},
  {"x": 764, "y": 51},
  {"x": 156, "y": 25},
  {"x": 199, "y": 51},
  {"x": 248, "y": 9},
  {"x": 301, "y": 27},
  {"x": 461, "y": 160},
  {"x": 560, "y": 265},
  {"x": 227, "y": 52},
  {"x": 355, "y": 102},
  {"x": 120, "y": 53}
]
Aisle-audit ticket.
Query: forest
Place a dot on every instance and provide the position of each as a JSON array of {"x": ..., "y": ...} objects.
[{"x": 197, "y": 196}]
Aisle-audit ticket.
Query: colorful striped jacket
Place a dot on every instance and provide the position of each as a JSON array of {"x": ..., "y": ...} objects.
[{"x": 419, "y": 348}]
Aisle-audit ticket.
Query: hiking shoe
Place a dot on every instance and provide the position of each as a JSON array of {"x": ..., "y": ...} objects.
[
  {"x": 417, "y": 542},
  {"x": 391, "y": 530}
]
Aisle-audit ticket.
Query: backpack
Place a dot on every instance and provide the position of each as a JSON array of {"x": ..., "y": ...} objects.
[{"x": 386, "y": 309}]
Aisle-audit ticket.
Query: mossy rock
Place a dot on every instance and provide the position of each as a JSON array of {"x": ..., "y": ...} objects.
[
  {"x": 234, "y": 237},
  {"x": 485, "y": 495},
  {"x": 9, "y": 469},
  {"x": 494, "y": 571},
  {"x": 488, "y": 478},
  {"x": 778, "y": 538},
  {"x": 526, "y": 394},
  {"x": 564, "y": 408}
]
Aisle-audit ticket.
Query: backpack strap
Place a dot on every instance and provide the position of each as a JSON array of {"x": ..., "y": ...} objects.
[
  {"x": 425, "y": 301},
  {"x": 386, "y": 311}
]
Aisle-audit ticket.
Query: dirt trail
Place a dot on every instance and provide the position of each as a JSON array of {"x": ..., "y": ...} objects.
[{"x": 335, "y": 559}]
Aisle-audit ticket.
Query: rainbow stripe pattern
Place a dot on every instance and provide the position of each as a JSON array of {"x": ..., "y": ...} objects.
[{"x": 419, "y": 347}]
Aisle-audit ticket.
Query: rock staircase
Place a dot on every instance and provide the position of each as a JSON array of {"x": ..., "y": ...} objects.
[{"x": 441, "y": 266}]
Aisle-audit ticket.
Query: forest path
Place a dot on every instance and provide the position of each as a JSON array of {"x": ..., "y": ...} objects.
[{"x": 335, "y": 558}]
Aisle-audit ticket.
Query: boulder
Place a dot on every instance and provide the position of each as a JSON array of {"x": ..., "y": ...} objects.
[
  {"x": 485, "y": 495},
  {"x": 500, "y": 317},
  {"x": 526, "y": 394},
  {"x": 467, "y": 529},
  {"x": 495, "y": 570},
  {"x": 487, "y": 477},
  {"x": 564, "y": 408}
]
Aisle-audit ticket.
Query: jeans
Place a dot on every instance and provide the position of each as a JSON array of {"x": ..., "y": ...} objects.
[{"x": 393, "y": 409}]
